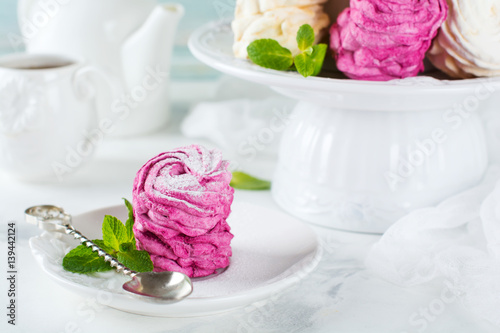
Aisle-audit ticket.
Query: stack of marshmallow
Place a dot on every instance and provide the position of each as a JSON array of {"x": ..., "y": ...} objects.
[{"x": 182, "y": 199}]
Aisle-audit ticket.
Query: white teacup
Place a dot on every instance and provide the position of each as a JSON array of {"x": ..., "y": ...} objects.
[{"x": 48, "y": 120}]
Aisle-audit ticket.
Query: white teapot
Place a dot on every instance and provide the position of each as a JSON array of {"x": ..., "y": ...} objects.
[{"x": 130, "y": 41}]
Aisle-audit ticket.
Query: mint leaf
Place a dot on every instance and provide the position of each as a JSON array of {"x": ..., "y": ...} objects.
[
  {"x": 304, "y": 64},
  {"x": 113, "y": 232},
  {"x": 244, "y": 181},
  {"x": 129, "y": 225},
  {"x": 127, "y": 247},
  {"x": 311, "y": 64},
  {"x": 305, "y": 37},
  {"x": 269, "y": 53},
  {"x": 318, "y": 57},
  {"x": 139, "y": 261},
  {"x": 83, "y": 260}
]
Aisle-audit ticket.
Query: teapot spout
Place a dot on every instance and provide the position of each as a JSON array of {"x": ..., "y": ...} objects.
[{"x": 150, "y": 47}]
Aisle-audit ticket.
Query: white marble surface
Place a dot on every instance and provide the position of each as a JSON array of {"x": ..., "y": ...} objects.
[{"x": 339, "y": 296}]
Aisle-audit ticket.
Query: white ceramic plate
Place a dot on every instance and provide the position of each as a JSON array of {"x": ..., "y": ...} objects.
[
  {"x": 271, "y": 251},
  {"x": 212, "y": 45}
]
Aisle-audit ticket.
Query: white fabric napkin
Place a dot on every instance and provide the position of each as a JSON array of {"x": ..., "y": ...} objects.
[
  {"x": 458, "y": 241},
  {"x": 239, "y": 126},
  {"x": 240, "y": 119}
]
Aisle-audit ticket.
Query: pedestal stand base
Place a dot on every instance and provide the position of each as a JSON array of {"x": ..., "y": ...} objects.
[{"x": 363, "y": 170}]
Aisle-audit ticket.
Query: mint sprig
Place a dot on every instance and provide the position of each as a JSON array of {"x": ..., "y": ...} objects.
[
  {"x": 243, "y": 181},
  {"x": 269, "y": 53},
  {"x": 118, "y": 240}
]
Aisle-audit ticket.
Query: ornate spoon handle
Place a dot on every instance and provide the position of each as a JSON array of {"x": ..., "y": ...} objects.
[
  {"x": 70, "y": 230},
  {"x": 54, "y": 219},
  {"x": 166, "y": 286}
]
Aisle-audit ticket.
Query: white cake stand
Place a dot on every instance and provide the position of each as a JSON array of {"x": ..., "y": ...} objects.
[{"x": 359, "y": 155}]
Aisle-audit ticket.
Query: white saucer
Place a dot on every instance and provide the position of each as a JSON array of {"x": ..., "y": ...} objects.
[{"x": 271, "y": 251}]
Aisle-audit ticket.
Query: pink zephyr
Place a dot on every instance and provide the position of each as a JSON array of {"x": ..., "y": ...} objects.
[
  {"x": 381, "y": 40},
  {"x": 181, "y": 200}
]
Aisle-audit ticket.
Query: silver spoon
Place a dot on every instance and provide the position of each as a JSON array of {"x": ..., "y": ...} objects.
[{"x": 168, "y": 287}]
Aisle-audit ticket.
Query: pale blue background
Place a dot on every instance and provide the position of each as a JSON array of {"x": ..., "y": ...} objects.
[
  {"x": 8, "y": 23},
  {"x": 185, "y": 67}
]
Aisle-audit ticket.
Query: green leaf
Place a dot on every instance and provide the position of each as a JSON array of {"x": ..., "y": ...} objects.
[
  {"x": 83, "y": 260},
  {"x": 113, "y": 232},
  {"x": 269, "y": 53},
  {"x": 127, "y": 247},
  {"x": 244, "y": 181},
  {"x": 129, "y": 225},
  {"x": 310, "y": 65},
  {"x": 318, "y": 57},
  {"x": 304, "y": 64},
  {"x": 305, "y": 37},
  {"x": 139, "y": 261}
]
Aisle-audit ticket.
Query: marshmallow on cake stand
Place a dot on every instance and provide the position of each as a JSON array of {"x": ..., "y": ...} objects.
[
  {"x": 359, "y": 155},
  {"x": 468, "y": 44}
]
